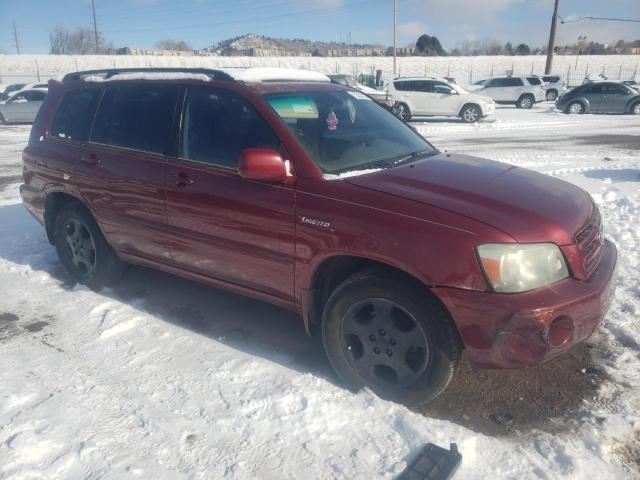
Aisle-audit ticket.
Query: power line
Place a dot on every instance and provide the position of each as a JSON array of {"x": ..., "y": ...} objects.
[
  {"x": 606, "y": 19},
  {"x": 95, "y": 25},
  {"x": 15, "y": 38}
]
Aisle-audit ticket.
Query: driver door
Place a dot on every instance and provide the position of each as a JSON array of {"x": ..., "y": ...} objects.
[
  {"x": 445, "y": 99},
  {"x": 221, "y": 225}
]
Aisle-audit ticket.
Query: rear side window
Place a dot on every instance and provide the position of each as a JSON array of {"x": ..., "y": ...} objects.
[
  {"x": 513, "y": 82},
  {"x": 136, "y": 116},
  {"x": 73, "y": 118},
  {"x": 553, "y": 79},
  {"x": 534, "y": 81},
  {"x": 612, "y": 89},
  {"x": 497, "y": 82},
  {"x": 218, "y": 125}
]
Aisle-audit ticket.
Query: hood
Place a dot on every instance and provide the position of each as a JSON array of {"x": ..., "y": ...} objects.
[{"x": 528, "y": 206}]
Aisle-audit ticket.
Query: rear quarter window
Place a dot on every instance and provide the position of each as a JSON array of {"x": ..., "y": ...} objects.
[
  {"x": 75, "y": 114},
  {"x": 138, "y": 116},
  {"x": 534, "y": 81}
]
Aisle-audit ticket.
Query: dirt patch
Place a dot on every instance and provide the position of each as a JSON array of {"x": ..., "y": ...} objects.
[
  {"x": 8, "y": 327},
  {"x": 495, "y": 402},
  {"x": 629, "y": 453},
  {"x": 35, "y": 326}
]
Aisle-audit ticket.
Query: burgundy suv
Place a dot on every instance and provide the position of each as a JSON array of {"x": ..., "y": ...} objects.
[{"x": 291, "y": 189}]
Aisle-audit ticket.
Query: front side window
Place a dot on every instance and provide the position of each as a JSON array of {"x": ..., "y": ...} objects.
[
  {"x": 514, "y": 82},
  {"x": 595, "y": 89},
  {"x": 219, "y": 125},
  {"x": 73, "y": 118},
  {"x": 534, "y": 81},
  {"x": 553, "y": 79},
  {"x": 28, "y": 96},
  {"x": 136, "y": 116},
  {"x": 497, "y": 82},
  {"x": 439, "y": 87},
  {"x": 403, "y": 86},
  {"x": 345, "y": 131}
]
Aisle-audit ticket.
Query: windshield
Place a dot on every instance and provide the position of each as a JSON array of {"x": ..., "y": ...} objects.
[{"x": 345, "y": 131}]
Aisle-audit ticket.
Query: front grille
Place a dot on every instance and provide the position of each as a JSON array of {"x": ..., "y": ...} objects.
[{"x": 590, "y": 242}]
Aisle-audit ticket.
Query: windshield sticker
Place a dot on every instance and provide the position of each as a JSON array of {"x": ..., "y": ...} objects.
[
  {"x": 332, "y": 121},
  {"x": 295, "y": 107},
  {"x": 358, "y": 95}
]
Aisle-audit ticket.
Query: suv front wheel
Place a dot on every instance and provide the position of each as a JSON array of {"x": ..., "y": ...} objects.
[
  {"x": 382, "y": 332},
  {"x": 470, "y": 114},
  {"x": 82, "y": 248},
  {"x": 552, "y": 95}
]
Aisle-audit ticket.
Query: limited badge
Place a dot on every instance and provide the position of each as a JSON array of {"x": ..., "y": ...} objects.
[{"x": 332, "y": 121}]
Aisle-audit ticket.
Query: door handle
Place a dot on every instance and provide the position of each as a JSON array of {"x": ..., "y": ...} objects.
[
  {"x": 90, "y": 159},
  {"x": 182, "y": 180}
]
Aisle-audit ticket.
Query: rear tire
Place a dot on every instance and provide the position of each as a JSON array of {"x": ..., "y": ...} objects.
[
  {"x": 403, "y": 112},
  {"x": 82, "y": 248},
  {"x": 552, "y": 95},
  {"x": 525, "y": 102},
  {"x": 575, "y": 108},
  {"x": 382, "y": 331},
  {"x": 470, "y": 114}
]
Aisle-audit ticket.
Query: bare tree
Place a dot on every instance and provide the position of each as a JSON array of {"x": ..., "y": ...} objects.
[
  {"x": 174, "y": 45},
  {"x": 80, "y": 42}
]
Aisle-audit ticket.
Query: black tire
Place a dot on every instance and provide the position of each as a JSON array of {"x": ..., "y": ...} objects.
[
  {"x": 576, "y": 108},
  {"x": 403, "y": 112},
  {"x": 552, "y": 95},
  {"x": 396, "y": 317},
  {"x": 470, "y": 113},
  {"x": 82, "y": 248},
  {"x": 635, "y": 109},
  {"x": 526, "y": 102}
]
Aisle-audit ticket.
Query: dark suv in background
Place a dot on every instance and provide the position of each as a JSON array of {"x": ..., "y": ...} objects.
[{"x": 283, "y": 186}]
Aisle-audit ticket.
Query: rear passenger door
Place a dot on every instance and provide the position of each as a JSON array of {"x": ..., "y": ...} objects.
[
  {"x": 616, "y": 97},
  {"x": 223, "y": 226},
  {"x": 123, "y": 168}
]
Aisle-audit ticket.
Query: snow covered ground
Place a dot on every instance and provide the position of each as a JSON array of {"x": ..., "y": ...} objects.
[{"x": 163, "y": 378}]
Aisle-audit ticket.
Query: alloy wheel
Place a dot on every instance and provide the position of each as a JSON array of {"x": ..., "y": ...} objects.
[
  {"x": 552, "y": 95},
  {"x": 384, "y": 343},
  {"x": 526, "y": 102},
  {"x": 471, "y": 115},
  {"x": 575, "y": 107},
  {"x": 81, "y": 247},
  {"x": 636, "y": 109}
]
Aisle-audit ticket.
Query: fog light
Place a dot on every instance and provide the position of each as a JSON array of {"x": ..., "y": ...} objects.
[{"x": 560, "y": 331}]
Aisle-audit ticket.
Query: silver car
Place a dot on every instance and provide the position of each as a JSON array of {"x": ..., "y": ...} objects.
[
  {"x": 22, "y": 106},
  {"x": 601, "y": 97}
]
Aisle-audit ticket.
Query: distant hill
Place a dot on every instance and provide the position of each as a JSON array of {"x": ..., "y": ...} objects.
[{"x": 245, "y": 44}]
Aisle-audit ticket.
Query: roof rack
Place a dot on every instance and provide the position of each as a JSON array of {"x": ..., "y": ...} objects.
[{"x": 110, "y": 72}]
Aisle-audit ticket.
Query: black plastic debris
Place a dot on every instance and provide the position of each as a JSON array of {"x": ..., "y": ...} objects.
[{"x": 433, "y": 463}]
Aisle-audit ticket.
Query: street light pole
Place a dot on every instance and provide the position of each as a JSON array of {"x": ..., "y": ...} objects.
[
  {"x": 395, "y": 56},
  {"x": 552, "y": 40}
]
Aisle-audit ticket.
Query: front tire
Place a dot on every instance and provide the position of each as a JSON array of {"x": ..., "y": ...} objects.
[
  {"x": 470, "y": 114},
  {"x": 382, "y": 332},
  {"x": 575, "y": 108},
  {"x": 82, "y": 248},
  {"x": 403, "y": 112},
  {"x": 552, "y": 95},
  {"x": 635, "y": 109},
  {"x": 525, "y": 102}
]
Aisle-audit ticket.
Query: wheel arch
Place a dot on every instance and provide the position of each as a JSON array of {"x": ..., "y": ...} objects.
[
  {"x": 582, "y": 100},
  {"x": 53, "y": 203},
  {"x": 632, "y": 103},
  {"x": 470, "y": 104},
  {"x": 333, "y": 270}
]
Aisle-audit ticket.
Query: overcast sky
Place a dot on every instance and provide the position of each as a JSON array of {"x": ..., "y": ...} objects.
[{"x": 140, "y": 23}]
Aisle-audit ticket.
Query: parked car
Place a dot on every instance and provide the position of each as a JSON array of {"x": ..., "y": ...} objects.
[
  {"x": 431, "y": 96},
  {"x": 309, "y": 195},
  {"x": 37, "y": 86},
  {"x": 600, "y": 97},
  {"x": 10, "y": 89},
  {"x": 523, "y": 92},
  {"x": 22, "y": 106},
  {"x": 384, "y": 98},
  {"x": 554, "y": 86}
]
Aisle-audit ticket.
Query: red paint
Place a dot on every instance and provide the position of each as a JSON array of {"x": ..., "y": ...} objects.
[{"x": 243, "y": 230}]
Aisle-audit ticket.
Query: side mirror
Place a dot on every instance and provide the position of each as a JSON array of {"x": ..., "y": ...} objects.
[{"x": 262, "y": 164}]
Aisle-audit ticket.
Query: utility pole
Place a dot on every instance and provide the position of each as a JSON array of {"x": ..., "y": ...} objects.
[
  {"x": 395, "y": 18},
  {"x": 15, "y": 38},
  {"x": 95, "y": 25},
  {"x": 552, "y": 40}
]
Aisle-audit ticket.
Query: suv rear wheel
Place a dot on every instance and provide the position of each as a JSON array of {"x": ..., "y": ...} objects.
[
  {"x": 525, "y": 101},
  {"x": 82, "y": 248},
  {"x": 382, "y": 332},
  {"x": 402, "y": 111},
  {"x": 470, "y": 114}
]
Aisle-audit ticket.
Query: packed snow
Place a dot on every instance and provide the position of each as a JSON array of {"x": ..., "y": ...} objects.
[{"x": 162, "y": 378}]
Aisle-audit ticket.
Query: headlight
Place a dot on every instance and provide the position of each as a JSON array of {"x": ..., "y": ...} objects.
[{"x": 522, "y": 267}]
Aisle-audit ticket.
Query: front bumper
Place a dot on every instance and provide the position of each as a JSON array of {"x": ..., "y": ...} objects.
[
  {"x": 524, "y": 329},
  {"x": 488, "y": 109}
]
